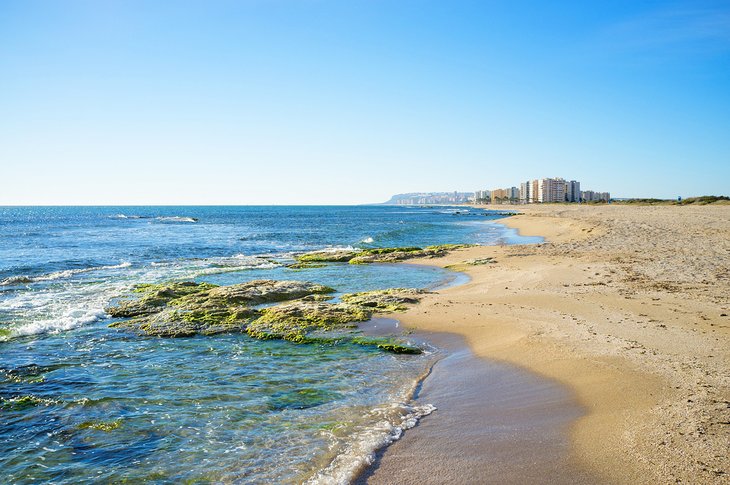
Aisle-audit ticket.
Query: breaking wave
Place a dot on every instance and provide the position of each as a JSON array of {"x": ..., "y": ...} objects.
[
  {"x": 71, "y": 319},
  {"x": 360, "y": 452},
  {"x": 158, "y": 218},
  {"x": 176, "y": 219},
  {"x": 57, "y": 275}
]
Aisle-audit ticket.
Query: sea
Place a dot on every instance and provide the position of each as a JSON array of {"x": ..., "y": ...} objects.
[{"x": 82, "y": 402}]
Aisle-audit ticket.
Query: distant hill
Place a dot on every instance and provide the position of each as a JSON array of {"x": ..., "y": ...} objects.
[{"x": 428, "y": 198}]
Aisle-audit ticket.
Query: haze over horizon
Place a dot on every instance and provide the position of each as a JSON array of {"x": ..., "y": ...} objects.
[{"x": 331, "y": 102}]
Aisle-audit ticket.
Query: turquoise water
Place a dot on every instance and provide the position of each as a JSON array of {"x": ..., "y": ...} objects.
[{"x": 82, "y": 401}]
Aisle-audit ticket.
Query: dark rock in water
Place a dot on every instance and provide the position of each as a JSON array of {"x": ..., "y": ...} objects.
[
  {"x": 186, "y": 309},
  {"x": 28, "y": 374},
  {"x": 388, "y": 344},
  {"x": 20, "y": 403},
  {"x": 301, "y": 399}
]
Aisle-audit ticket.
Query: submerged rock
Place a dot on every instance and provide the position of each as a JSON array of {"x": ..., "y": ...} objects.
[
  {"x": 28, "y": 374},
  {"x": 388, "y": 344},
  {"x": 20, "y": 403},
  {"x": 105, "y": 426}
]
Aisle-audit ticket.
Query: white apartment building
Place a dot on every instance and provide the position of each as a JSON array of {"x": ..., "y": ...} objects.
[
  {"x": 525, "y": 191},
  {"x": 551, "y": 190}
]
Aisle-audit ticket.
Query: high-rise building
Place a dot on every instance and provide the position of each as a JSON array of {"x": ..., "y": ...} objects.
[
  {"x": 551, "y": 190},
  {"x": 572, "y": 191},
  {"x": 535, "y": 192},
  {"x": 509, "y": 195},
  {"x": 591, "y": 196},
  {"x": 525, "y": 191},
  {"x": 482, "y": 196}
]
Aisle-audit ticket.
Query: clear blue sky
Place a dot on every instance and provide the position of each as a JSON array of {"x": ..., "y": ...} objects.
[{"x": 337, "y": 101}]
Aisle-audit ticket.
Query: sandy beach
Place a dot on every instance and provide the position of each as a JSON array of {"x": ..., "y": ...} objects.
[{"x": 625, "y": 306}]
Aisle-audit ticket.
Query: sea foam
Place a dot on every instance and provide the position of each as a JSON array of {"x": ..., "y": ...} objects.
[
  {"x": 57, "y": 275},
  {"x": 359, "y": 453}
]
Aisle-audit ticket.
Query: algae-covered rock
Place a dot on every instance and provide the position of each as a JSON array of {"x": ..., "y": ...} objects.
[
  {"x": 385, "y": 301},
  {"x": 185, "y": 309},
  {"x": 252, "y": 293},
  {"x": 305, "y": 265},
  {"x": 186, "y": 322},
  {"x": 20, "y": 403},
  {"x": 301, "y": 399},
  {"x": 294, "y": 321},
  {"x": 379, "y": 255},
  {"x": 339, "y": 256},
  {"x": 105, "y": 426},
  {"x": 388, "y": 344},
  {"x": 28, "y": 374},
  {"x": 155, "y": 297}
]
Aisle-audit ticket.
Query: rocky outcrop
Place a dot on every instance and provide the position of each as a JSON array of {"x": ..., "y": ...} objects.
[
  {"x": 305, "y": 316},
  {"x": 385, "y": 301},
  {"x": 378, "y": 255}
]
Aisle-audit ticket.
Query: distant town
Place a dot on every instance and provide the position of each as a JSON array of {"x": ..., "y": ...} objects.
[{"x": 537, "y": 191}]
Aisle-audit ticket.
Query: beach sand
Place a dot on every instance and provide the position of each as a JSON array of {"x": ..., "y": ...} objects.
[{"x": 626, "y": 307}]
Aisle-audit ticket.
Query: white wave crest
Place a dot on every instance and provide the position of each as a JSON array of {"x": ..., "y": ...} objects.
[
  {"x": 71, "y": 319},
  {"x": 239, "y": 262},
  {"x": 176, "y": 219},
  {"x": 368, "y": 240},
  {"x": 57, "y": 275},
  {"x": 359, "y": 453}
]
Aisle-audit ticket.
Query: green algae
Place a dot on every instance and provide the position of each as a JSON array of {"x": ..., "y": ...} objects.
[
  {"x": 327, "y": 256},
  {"x": 301, "y": 314},
  {"x": 387, "y": 344},
  {"x": 27, "y": 374},
  {"x": 384, "y": 301},
  {"x": 173, "y": 289},
  {"x": 376, "y": 251},
  {"x": 448, "y": 247},
  {"x": 301, "y": 399},
  {"x": 20, "y": 403},
  {"x": 378, "y": 255},
  {"x": 293, "y": 321},
  {"x": 105, "y": 426},
  {"x": 305, "y": 265}
]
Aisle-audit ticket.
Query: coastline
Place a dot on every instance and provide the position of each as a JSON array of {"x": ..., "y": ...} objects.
[{"x": 623, "y": 306}]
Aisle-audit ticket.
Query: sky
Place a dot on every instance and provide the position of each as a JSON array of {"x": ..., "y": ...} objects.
[{"x": 351, "y": 101}]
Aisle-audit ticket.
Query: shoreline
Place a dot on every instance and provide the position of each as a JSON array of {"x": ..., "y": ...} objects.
[
  {"x": 501, "y": 423},
  {"x": 591, "y": 309}
]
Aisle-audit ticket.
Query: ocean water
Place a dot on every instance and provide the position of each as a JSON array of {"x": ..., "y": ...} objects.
[{"x": 113, "y": 406}]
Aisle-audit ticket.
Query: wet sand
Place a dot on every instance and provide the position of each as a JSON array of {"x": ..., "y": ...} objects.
[
  {"x": 626, "y": 308},
  {"x": 494, "y": 423}
]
